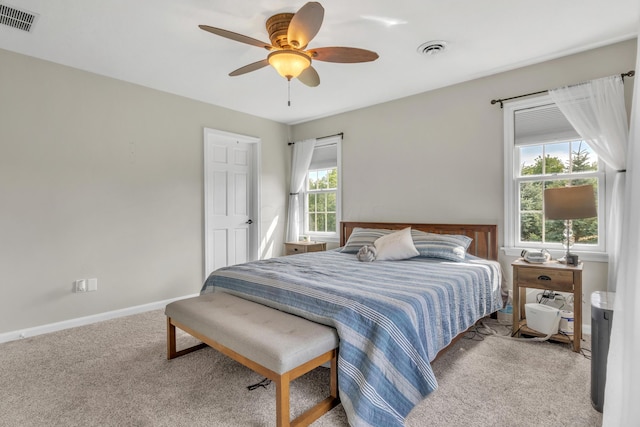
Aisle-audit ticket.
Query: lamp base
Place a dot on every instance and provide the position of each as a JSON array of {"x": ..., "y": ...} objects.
[{"x": 569, "y": 259}]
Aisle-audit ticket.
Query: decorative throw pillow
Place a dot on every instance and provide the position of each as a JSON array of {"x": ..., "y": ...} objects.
[
  {"x": 396, "y": 246},
  {"x": 367, "y": 254},
  {"x": 462, "y": 240},
  {"x": 363, "y": 237},
  {"x": 446, "y": 246}
]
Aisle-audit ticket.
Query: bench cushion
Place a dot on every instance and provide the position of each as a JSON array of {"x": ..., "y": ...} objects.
[{"x": 274, "y": 339}]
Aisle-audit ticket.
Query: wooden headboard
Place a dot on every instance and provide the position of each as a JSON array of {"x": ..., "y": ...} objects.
[{"x": 485, "y": 237}]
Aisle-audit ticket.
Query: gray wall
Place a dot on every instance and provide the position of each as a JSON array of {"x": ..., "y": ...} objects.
[
  {"x": 438, "y": 156},
  {"x": 101, "y": 178}
]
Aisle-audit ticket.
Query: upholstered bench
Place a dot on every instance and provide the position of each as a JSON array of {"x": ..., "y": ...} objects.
[{"x": 275, "y": 344}]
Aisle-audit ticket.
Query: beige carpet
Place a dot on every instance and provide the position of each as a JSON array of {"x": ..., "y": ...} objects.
[{"x": 115, "y": 373}]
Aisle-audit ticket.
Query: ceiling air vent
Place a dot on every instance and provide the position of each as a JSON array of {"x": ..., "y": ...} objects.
[
  {"x": 16, "y": 18},
  {"x": 432, "y": 48}
]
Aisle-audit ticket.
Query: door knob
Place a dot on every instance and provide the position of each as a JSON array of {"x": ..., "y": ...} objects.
[{"x": 249, "y": 221}]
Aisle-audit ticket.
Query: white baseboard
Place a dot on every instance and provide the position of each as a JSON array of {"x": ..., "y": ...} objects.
[{"x": 87, "y": 320}]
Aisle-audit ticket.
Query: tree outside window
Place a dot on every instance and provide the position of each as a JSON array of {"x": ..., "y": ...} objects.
[
  {"x": 322, "y": 186},
  {"x": 549, "y": 166}
]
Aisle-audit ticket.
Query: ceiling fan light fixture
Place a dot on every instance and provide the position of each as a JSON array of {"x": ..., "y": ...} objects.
[
  {"x": 290, "y": 34},
  {"x": 289, "y": 63}
]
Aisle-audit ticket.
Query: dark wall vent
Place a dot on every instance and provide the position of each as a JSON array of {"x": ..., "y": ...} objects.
[{"x": 16, "y": 18}]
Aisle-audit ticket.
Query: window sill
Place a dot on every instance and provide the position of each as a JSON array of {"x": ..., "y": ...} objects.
[
  {"x": 557, "y": 253},
  {"x": 323, "y": 238}
]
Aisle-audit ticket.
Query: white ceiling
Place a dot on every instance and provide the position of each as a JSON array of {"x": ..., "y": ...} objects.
[{"x": 157, "y": 43}]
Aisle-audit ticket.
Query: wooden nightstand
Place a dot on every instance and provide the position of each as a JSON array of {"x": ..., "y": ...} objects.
[
  {"x": 292, "y": 248},
  {"x": 553, "y": 276}
]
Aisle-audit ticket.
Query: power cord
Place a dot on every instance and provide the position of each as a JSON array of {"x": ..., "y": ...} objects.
[
  {"x": 264, "y": 383},
  {"x": 586, "y": 353},
  {"x": 552, "y": 299},
  {"x": 484, "y": 330}
]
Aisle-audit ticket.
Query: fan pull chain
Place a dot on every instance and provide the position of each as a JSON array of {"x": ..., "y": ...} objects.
[{"x": 289, "y": 92}]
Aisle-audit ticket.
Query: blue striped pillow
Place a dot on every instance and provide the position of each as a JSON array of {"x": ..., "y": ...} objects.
[
  {"x": 445, "y": 246},
  {"x": 363, "y": 237}
]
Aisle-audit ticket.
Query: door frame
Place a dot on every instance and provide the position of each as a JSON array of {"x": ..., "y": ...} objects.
[{"x": 209, "y": 136}]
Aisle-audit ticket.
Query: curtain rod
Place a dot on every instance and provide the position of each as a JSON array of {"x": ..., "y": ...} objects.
[
  {"x": 341, "y": 134},
  {"x": 500, "y": 101}
]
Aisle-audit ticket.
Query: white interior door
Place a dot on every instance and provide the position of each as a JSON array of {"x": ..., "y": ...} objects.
[{"x": 231, "y": 199}]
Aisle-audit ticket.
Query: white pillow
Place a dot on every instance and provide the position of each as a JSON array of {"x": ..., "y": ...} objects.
[{"x": 396, "y": 246}]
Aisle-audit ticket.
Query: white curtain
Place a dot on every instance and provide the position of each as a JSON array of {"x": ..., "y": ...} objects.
[
  {"x": 597, "y": 111},
  {"x": 302, "y": 152},
  {"x": 622, "y": 390}
]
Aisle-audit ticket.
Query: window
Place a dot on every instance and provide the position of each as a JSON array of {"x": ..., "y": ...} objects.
[
  {"x": 321, "y": 200},
  {"x": 322, "y": 191},
  {"x": 542, "y": 150}
]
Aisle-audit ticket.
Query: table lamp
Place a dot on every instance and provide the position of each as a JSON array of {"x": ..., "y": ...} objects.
[{"x": 568, "y": 203}]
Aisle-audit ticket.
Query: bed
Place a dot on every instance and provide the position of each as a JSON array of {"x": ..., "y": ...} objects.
[{"x": 393, "y": 317}]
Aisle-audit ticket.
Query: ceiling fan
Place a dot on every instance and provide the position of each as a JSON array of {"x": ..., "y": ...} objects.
[{"x": 290, "y": 34}]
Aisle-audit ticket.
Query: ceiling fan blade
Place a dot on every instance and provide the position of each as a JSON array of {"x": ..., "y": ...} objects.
[
  {"x": 309, "y": 77},
  {"x": 235, "y": 36},
  {"x": 305, "y": 24},
  {"x": 249, "y": 68},
  {"x": 342, "y": 54}
]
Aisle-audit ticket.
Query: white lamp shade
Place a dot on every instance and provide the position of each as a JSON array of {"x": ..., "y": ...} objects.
[
  {"x": 570, "y": 202},
  {"x": 289, "y": 63}
]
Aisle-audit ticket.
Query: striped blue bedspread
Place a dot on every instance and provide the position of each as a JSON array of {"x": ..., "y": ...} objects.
[{"x": 392, "y": 317}]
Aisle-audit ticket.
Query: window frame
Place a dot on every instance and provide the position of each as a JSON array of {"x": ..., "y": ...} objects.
[
  {"x": 333, "y": 237},
  {"x": 512, "y": 244}
]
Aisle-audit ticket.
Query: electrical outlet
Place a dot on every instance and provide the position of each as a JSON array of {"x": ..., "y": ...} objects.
[
  {"x": 85, "y": 285},
  {"x": 80, "y": 285}
]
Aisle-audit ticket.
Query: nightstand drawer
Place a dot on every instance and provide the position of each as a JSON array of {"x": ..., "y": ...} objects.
[
  {"x": 291, "y": 248},
  {"x": 546, "y": 278}
]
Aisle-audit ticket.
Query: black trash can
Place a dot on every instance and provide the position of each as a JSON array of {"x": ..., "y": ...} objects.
[{"x": 601, "y": 319}]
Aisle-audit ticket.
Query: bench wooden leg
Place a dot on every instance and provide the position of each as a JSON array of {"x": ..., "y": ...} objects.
[
  {"x": 283, "y": 409},
  {"x": 327, "y": 404},
  {"x": 171, "y": 343},
  {"x": 334, "y": 377}
]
